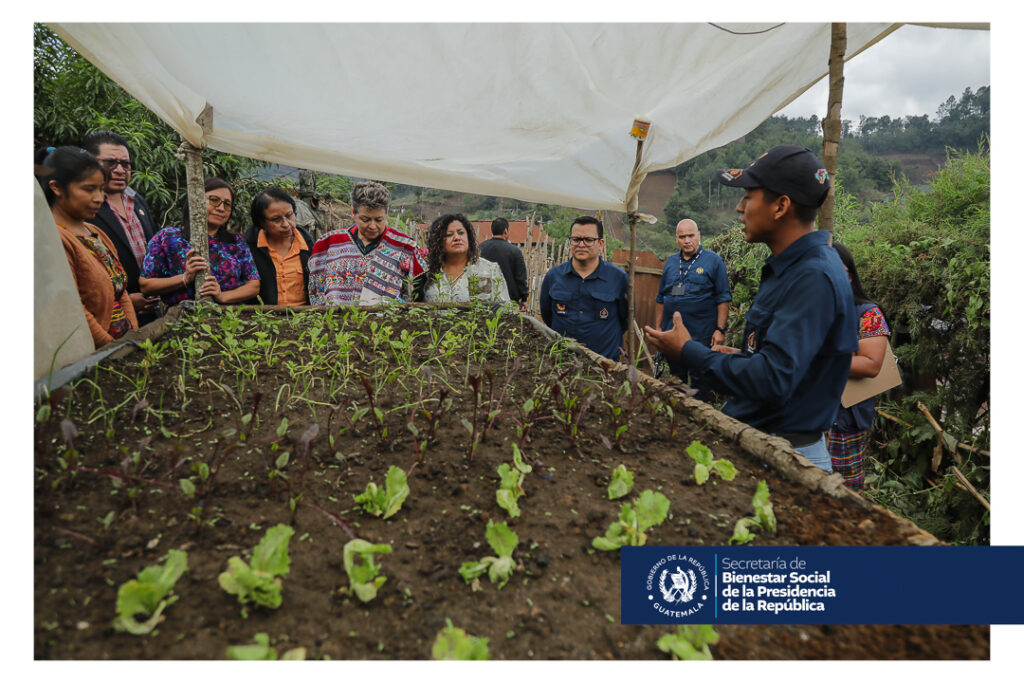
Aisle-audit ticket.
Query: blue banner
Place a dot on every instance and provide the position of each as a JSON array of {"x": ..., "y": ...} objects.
[{"x": 823, "y": 585}]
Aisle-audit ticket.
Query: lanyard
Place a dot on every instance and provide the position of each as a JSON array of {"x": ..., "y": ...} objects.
[{"x": 682, "y": 275}]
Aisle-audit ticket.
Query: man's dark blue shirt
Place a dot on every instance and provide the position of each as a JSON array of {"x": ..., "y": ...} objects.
[
  {"x": 795, "y": 356},
  {"x": 593, "y": 309},
  {"x": 707, "y": 285}
]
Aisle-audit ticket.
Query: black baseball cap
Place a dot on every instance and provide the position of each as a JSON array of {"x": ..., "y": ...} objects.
[{"x": 786, "y": 169}]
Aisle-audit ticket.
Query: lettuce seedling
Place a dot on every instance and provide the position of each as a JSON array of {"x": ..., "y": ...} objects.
[
  {"x": 262, "y": 651},
  {"x": 763, "y": 519},
  {"x": 503, "y": 541},
  {"x": 146, "y": 593},
  {"x": 511, "y": 487},
  {"x": 363, "y": 578},
  {"x": 384, "y": 502},
  {"x": 706, "y": 464},
  {"x": 621, "y": 484},
  {"x": 689, "y": 642},
  {"x": 651, "y": 508},
  {"x": 455, "y": 644},
  {"x": 256, "y": 582}
]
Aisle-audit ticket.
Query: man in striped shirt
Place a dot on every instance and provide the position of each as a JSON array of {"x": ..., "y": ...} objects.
[
  {"x": 124, "y": 217},
  {"x": 368, "y": 261}
]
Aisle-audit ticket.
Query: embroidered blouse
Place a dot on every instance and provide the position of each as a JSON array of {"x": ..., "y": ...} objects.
[
  {"x": 230, "y": 262},
  {"x": 481, "y": 280}
]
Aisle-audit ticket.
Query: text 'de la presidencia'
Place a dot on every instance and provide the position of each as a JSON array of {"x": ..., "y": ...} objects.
[{"x": 821, "y": 585}]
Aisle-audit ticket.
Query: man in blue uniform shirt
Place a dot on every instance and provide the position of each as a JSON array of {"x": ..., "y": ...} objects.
[
  {"x": 801, "y": 328},
  {"x": 585, "y": 297},
  {"x": 695, "y": 284}
]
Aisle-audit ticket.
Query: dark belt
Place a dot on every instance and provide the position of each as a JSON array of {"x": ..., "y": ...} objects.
[{"x": 800, "y": 439}]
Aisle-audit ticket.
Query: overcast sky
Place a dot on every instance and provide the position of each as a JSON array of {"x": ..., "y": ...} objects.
[{"x": 910, "y": 72}]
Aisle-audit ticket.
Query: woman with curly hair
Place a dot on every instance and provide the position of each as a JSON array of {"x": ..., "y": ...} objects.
[{"x": 455, "y": 270}]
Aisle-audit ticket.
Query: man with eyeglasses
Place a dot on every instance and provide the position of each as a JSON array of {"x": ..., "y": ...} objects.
[
  {"x": 586, "y": 297},
  {"x": 125, "y": 216}
]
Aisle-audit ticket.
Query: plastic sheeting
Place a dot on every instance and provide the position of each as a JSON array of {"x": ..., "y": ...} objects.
[{"x": 538, "y": 112}]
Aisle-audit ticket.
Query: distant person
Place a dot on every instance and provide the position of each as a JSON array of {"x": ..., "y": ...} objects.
[
  {"x": 73, "y": 187},
  {"x": 586, "y": 297},
  {"x": 367, "y": 262},
  {"x": 171, "y": 265},
  {"x": 280, "y": 249},
  {"x": 125, "y": 216},
  {"x": 455, "y": 269},
  {"x": 801, "y": 327},
  {"x": 694, "y": 284},
  {"x": 510, "y": 259},
  {"x": 848, "y": 437}
]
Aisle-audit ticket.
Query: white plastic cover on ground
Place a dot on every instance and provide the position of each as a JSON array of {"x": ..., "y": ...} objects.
[{"x": 538, "y": 112}]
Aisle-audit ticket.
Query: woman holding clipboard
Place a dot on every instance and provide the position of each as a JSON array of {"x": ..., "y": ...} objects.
[{"x": 847, "y": 440}]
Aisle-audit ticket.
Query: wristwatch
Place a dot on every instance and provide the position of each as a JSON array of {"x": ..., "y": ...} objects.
[{"x": 721, "y": 329}]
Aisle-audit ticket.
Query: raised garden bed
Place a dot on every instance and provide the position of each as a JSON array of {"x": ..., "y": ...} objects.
[{"x": 221, "y": 399}]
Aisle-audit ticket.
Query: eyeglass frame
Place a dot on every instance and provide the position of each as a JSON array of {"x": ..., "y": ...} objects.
[
  {"x": 279, "y": 220},
  {"x": 126, "y": 164},
  {"x": 217, "y": 201},
  {"x": 589, "y": 241}
]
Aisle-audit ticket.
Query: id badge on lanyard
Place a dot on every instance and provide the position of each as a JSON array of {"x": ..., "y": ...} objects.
[{"x": 680, "y": 289}]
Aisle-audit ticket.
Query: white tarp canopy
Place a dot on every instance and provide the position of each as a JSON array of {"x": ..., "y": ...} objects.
[{"x": 537, "y": 112}]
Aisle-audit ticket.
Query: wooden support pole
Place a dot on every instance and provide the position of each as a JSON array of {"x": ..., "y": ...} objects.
[
  {"x": 631, "y": 205},
  {"x": 196, "y": 207},
  {"x": 832, "y": 126}
]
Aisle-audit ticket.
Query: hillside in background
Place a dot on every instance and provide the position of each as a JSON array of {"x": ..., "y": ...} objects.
[{"x": 874, "y": 154}]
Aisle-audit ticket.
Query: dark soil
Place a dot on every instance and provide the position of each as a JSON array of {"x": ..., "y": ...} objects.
[{"x": 97, "y": 529}]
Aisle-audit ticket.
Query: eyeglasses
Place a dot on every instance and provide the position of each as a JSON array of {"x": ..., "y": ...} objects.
[
  {"x": 279, "y": 220},
  {"x": 114, "y": 163},
  {"x": 217, "y": 201},
  {"x": 589, "y": 241}
]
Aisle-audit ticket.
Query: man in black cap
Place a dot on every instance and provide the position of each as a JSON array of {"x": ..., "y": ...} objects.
[
  {"x": 509, "y": 258},
  {"x": 801, "y": 328}
]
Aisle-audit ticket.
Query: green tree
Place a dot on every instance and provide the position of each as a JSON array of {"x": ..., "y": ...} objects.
[{"x": 72, "y": 98}]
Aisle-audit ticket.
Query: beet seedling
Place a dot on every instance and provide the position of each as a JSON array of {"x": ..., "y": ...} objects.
[
  {"x": 499, "y": 569},
  {"x": 706, "y": 464},
  {"x": 455, "y": 644},
  {"x": 259, "y": 581},
  {"x": 651, "y": 508},
  {"x": 386, "y": 501},
  {"x": 146, "y": 594},
  {"x": 363, "y": 573},
  {"x": 763, "y": 519}
]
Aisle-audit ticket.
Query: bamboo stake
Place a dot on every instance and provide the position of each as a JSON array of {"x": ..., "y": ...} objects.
[
  {"x": 832, "y": 126},
  {"x": 970, "y": 487},
  {"x": 893, "y": 418},
  {"x": 939, "y": 431},
  {"x": 643, "y": 346}
]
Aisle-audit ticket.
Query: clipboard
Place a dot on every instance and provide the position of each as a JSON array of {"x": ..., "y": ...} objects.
[{"x": 863, "y": 388}]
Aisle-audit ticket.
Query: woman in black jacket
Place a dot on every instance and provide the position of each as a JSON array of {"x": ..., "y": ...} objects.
[{"x": 280, "y": 249}]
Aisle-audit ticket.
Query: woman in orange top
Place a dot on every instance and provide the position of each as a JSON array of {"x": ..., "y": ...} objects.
[
  {"x": 73, "y": 186},
  {"x": 280, "y": 249}
]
